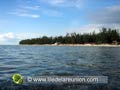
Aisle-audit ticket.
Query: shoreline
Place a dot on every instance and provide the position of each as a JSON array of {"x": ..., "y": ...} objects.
[{"x": 99, "y": 45}]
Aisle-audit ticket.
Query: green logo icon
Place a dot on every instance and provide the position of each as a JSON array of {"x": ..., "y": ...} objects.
[{"x": 17, "y": 78}]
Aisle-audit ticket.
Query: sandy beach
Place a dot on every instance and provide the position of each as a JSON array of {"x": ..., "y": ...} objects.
[
  {"x": 106, "y": 45},
  {"x": 97, "y": 45}
]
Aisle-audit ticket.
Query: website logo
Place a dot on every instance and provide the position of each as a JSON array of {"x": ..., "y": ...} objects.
[{"x": 17, "y": 78}]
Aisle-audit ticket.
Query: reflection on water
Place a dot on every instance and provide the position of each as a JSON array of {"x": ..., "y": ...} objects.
[{"x": 60, "y": 60}]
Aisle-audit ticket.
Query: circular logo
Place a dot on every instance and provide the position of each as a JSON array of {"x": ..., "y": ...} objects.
[{"x": 17, "y": 78}]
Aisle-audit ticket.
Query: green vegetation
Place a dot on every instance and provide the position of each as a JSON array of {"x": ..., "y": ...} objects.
[{"x": 105, "y": 36}]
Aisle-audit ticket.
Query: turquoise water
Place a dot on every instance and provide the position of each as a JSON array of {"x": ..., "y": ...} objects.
[{"x": 59, "y": 60}]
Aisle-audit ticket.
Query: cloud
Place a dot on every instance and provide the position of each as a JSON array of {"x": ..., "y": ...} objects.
[
  {"x": 24, "y": 14},
  {"x": 113, "y": 8},
  {"x": 50, "y": 12},
  {"x": 14, "y": 38},
  {"x": 65, "y": 3},
  {"x": 26, "y": 35},
  {"x": 31, "y": 7},
  {"x": 6, "y": 36},
  {"x": 38, "y": 8},
  {"x": 107, "y": 15},
  {"x": 28, "y": 15},
  {"x": 94, "y": 27},
  {"x": 34, "y": 11},
  {"x": 26, "y": 10},
  {"x": 54, "y": 2},
  {"x": 85, "y": 29}
]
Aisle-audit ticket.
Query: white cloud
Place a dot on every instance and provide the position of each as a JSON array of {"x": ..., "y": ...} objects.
[
  {"x": 26, "y": 35},
  {"x": 25, "y": 14},
  {"x": 26, "y": 11},
  {"x": 55, "y": 2},
  {"x": 31, "y": 7},
  {"x": 84, "y": 29},
  {"x": 50, "y": 12},
  {"x": 14, "y": 38},
  {"x": 28, "y": 15},
  {"x": 65, "y": 3},
  {"x": 6, "y": 36},
  {"x": 35, "y": 10},
  {"x": 93, "y": 27}
]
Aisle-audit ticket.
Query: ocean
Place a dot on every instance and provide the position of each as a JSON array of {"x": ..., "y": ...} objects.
[{"x": 59, "y": 61}]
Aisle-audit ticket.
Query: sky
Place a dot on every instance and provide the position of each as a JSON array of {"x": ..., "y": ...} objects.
[{"x": 22, "y": 19}]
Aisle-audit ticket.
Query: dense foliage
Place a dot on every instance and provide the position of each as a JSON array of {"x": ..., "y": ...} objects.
[{"x": 105, "y": 36}]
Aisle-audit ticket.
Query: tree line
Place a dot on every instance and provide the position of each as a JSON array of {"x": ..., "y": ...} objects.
[{"x": 105, "y": 36}]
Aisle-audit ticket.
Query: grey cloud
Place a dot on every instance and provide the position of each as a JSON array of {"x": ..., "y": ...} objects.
[{"x": 107, "y": 15}]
